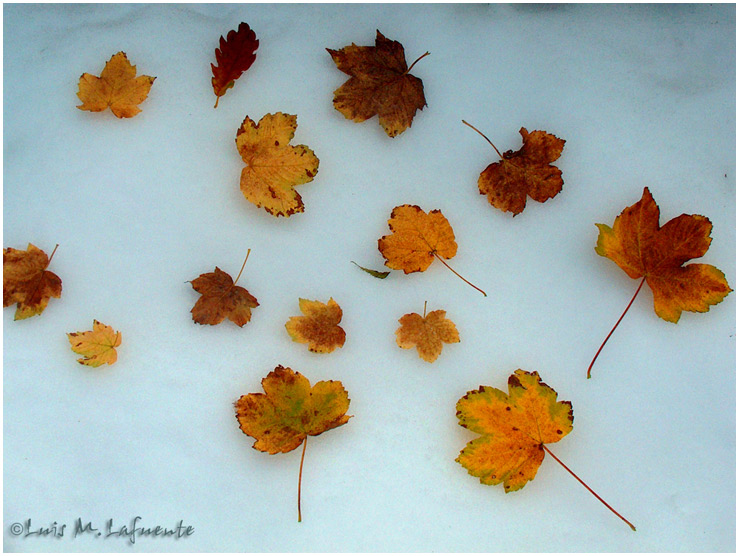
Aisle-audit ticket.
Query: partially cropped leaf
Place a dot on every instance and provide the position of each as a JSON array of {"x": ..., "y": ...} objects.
[
  {"x": 97, "y": 346},
  {"x": 27, "y": 282},
  {"x": 117, "y": 88},
  {"x": 235, "y": 55}
]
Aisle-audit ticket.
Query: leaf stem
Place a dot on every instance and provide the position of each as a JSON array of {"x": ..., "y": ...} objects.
[
  {"x": 459, "y": 275},
  {"x": 615, "y": 325},
  {"x": 587, "y": 487},
  {"x": 300, "y": 477},
  {"x": 414, "y": 63},
  {"x": 217, "y": 99},
  {"x": 52, "y": 253},
  {"x": 424, "y": 308},
  {"x": 485, "y": 136},
  {"x": 243, "y": 265}
]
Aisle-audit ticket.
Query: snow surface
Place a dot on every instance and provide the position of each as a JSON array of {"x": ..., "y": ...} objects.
[{"x": 644, "y": 96}]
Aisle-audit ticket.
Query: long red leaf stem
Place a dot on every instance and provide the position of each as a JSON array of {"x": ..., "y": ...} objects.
[
  {"x": 300, "y": 477},
  {"x": 607, "y": 505},
  {"x": 459, "y": 275},
  {"x": 615, "y": 325}
]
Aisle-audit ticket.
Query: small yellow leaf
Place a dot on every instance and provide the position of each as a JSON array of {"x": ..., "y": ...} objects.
[
  {"x": 427, "y": 334},
  {"x": 97, "y": 346}
]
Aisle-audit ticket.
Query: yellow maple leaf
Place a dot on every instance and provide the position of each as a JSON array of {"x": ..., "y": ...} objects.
[
  {"x": 117, "y": 88},
  {"x": 97, "y": 346},
  {"x": 319, "y": 328},
  {"x": 273, "y": 166},
  {"x": 427, "y": 333}
]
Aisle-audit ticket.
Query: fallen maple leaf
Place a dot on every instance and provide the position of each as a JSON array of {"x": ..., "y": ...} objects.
[
  {"x": 417, "y": 238},
  {"x": 97, "y": 346},
  {"x": 273, "y": 167},
  {"x": 380, "y": 84},
  {"x": 289, "y": 411},
  {"x": 27, "y": 282},
  {"x": 528, "y": 171},
  {"x": 427, "y": 333},
  {"x": 221, "y": 298},
  {"x": 319, "y": 328},
  {"x": 117, "y": 88},
  {"x": 236, "y": 54},
  {"x": 514, "y": 428},
  {"x": 656, "y": 254}
]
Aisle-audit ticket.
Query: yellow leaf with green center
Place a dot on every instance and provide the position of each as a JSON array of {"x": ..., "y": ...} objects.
[
  {"x": 273, "y": 166},
  {"x": 97, "y": 346},
  {"x": 290, "y": 409},
  {"x": 513, "y": 429}
]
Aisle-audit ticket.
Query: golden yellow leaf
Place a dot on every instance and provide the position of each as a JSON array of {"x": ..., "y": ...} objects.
[
  {"x": 117, "y": 88},
  {"x": 319, "y": 328},
  {"x": 97, "y": 346},
  {"x": 273, "y": 166}
]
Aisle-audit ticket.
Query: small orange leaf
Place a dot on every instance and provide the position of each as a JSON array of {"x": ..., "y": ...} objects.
[
  {"x": 379, "y": 84},
  {"x": 117, "y": 88},
  {"x": 27, "y": 282},
  {"x": 221, "y": 298},
  {"x": 319, "y": 328},
  {"x": 427, "y": 333},
  {"x": 97, "y": 346},
  {"x": 644, "y": 249},
  {"x": 236, "y": 54},
  {"x": 416, "y": 239},
  {"x": 526, "y": 172},
  {"x": 273, "y": 166}
]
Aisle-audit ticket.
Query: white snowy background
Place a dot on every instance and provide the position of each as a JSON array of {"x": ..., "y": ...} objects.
[{"x": 644, "y": 95}]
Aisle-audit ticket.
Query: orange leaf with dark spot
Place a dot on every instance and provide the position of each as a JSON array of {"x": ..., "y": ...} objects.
[
  {"x": 273, "y": 166},
  {"x": 236, "y": 54},
  {"x": 27, "y": 282},
  {"x": 379, "y": 84},
  {"x": 319, "y": 328}
]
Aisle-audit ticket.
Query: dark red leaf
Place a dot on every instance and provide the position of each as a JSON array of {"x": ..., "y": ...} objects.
[{"x": 236, "y": 54}]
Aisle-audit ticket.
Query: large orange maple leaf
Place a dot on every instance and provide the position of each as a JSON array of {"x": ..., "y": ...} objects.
[{"x": 379, "y": 85}]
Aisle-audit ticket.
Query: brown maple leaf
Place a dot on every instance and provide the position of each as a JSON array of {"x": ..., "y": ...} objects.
[
  {"x": 221, "y": 298},
  {"x": 657, "y": 254},
  {"x": 427, "y": 333},
  {"x": 236, "y": 54},
  {"x": 380, "y": 84},
  {"x": 319, "y": 328},
  {"x": 117, "y": 88},
  {"x": 273, "y": 166},
  {"x": 27, "y": 282},
  {"x": 526, "y": 172}
]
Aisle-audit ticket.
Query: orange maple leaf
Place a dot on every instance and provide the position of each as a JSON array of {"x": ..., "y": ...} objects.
[
  {"x": 427, "y": 333},
  {"x": 221, "y": 298},
  {"x": 273, "y": 166},
  {"x": 380, "y": 84},
  {"x": 97, "y": 346},
  {"x": 289, "y": 411},
  {"x": 526, "y": 172},
  {"x": 236, "y": 54},
  {"x": 117, "y": 88},
  {"x": 319, "y": 328},
  {"x": 657, "y": 254},
  {"x": 417, "y": 239},
  {"x": 27, "y": 282},
  {"x": 514, "y": 428}
]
